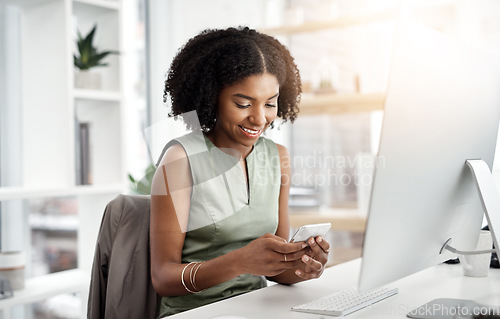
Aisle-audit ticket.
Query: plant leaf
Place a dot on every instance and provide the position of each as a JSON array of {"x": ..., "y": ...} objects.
[
  {"x": 89, "y": 55},
  {"x": 131, "y": 178},
  {"x": 87, "y": 44}
]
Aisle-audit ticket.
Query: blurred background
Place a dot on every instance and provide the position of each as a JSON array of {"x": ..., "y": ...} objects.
[{"x": 82, "y": 116}]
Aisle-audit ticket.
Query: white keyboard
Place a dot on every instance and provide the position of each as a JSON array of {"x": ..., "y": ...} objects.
[{"x": 345, "y": 302}]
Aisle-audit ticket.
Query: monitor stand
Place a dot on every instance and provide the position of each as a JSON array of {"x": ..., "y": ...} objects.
[{"x": 490, "y": 199}]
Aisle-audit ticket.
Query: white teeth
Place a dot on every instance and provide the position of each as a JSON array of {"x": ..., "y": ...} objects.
[{"x": 249, "y": 130}]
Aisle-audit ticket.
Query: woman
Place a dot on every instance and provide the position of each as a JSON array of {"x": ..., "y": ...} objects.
[{"x": 219, "y": 207}]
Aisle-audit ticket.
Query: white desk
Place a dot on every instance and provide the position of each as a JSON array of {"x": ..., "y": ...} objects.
[{"x": 274, "y": 302}]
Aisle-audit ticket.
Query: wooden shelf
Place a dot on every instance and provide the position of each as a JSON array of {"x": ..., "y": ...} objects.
[
  {"x": 325, "y": 25},
  {"x": 43, "y": 287},
  {"x": 341, "y": 219},
  {"x": 341, "y": 103}
]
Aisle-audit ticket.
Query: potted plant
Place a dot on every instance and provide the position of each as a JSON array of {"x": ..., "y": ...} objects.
[
  {"x": 87, "y": 58},
  {"x": 143, "y": 186}
]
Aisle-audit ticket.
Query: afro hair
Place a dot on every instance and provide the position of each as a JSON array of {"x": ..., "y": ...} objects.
[{"x": 218, "y": 58}]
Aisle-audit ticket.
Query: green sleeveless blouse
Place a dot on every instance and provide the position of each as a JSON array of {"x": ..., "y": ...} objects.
[{"x": 225, "y": 212}]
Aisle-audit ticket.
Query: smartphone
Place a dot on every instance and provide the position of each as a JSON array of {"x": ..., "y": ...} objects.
[{"x": 312, "y": 230}]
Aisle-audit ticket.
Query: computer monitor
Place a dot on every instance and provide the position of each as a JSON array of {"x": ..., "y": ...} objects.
[{"x": 442, "y": 108}]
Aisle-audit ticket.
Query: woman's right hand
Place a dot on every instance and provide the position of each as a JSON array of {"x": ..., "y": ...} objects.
[{"x": 270, "y": 255}]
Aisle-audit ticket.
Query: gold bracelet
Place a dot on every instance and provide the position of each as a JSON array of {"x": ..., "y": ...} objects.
[
  {"x": 194, "y": 277},
  {"x": 191, "y": 277},
  {"x": 182, "y": 278}
]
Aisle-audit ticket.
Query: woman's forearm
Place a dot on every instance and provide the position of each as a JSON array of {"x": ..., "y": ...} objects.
[
  {"x": 197, "y": 276},
  {"x": 261, "y": 257}
]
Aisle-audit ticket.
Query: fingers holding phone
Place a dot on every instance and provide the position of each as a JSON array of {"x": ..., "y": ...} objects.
[
  {"x": 317, "y": 252},
  {"x": 312, "y": 230}
]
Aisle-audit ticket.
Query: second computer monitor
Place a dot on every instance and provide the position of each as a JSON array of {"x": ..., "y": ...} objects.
[{"x": 442, "y": 107}]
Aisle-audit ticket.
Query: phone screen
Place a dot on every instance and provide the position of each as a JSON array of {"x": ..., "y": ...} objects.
[{"x": 307, "y": 231}]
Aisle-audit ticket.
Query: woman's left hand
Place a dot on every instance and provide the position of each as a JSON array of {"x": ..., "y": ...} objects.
[{"x": 315, "y": 259}]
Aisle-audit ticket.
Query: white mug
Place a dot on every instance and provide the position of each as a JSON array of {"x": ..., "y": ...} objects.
[{"x": 478, "y": 265}]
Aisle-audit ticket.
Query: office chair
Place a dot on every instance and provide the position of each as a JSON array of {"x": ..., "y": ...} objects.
[{"x": 120, "y": 285}]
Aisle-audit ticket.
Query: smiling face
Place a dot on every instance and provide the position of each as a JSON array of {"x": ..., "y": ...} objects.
[{"x": 245, "y": 110}]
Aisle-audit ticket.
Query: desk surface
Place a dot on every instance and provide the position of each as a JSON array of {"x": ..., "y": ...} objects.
[{"x": 442, "y": 281}]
